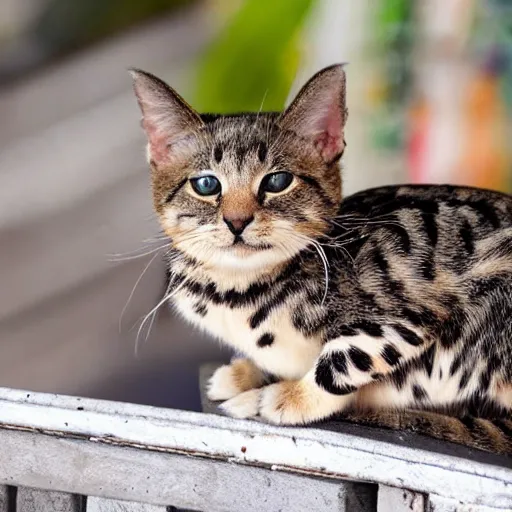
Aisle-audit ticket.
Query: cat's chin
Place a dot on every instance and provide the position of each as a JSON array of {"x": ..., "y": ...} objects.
[{"x": 247, "y": 257}]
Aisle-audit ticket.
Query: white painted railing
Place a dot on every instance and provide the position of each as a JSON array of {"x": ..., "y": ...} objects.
[{"x": 69, "y": 454}]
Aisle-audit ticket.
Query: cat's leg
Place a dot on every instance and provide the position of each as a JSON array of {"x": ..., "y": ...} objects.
[
  {"x": 232, "y": 379},
  {"x": 347, "y": 363},
  {"x": 288, "y": 402},
  {"x": 365, "y": 354}
]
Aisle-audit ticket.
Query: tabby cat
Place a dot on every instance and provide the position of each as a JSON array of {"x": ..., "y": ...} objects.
[{"x": 392, "y": 306}]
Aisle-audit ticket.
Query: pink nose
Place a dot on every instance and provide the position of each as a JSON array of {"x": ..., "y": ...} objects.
[{"x": 237, "y": 224}]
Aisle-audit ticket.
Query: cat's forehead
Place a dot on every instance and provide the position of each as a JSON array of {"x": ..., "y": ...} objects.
[{"x": 241, "y": 131}]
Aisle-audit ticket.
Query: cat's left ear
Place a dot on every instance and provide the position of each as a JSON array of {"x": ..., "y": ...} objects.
[
  {"x": 318, "y": 112},
  {"x": 166, "y": 116}
]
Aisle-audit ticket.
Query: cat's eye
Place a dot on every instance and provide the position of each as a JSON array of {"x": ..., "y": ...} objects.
[
  {"x": 276, "y": 182},
  {"x": 206, "y": 185}
]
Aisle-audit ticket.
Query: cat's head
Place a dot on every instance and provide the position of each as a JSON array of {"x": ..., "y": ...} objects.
[{"x": 245, "y": 191}]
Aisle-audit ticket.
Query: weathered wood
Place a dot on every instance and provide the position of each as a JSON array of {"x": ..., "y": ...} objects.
[
  {"x": 394, "y": 499},
  {"x": 84, "y": 467},
  {"x": 4, "y": 498},
  {"x": 35, "y": 500},
  {"x": 105, "y": 505},
  {"x": 440, "y": 504},
  {"x": 126, "y": 473}
]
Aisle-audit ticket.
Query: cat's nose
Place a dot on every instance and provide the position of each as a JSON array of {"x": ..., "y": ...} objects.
[{"x": 237, "y": 224}]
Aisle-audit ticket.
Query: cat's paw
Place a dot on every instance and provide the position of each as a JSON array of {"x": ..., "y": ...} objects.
[
  {"x": 281, "y": 403},
  {"x": 232, "y": 379},
  {"x": 298, "y": 403},
  {"x": 245, "y": 405}
]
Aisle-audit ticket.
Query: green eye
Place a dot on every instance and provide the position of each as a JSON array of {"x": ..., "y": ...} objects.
[
  {"x": 206, "y": 185},
  {"x": 276, "y": 182}
]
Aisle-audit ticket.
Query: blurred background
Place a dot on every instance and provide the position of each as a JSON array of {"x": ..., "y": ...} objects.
[{"x": 430, "y": 98}]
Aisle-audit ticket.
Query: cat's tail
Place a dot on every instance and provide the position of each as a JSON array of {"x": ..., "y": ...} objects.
[{"x": 490, "y": 435}]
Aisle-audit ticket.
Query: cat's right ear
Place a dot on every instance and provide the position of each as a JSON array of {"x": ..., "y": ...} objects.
[
  {"x": 166, "y": 116},
  {"x": 319, "y": 113}
]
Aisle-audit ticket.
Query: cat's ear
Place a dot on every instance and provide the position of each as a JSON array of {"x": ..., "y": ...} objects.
[
  {"x": 166, "y": 116},
  {"x": 319, "y": 112}
]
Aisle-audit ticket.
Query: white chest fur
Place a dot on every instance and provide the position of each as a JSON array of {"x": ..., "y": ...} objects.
[{"x": 290, "y": 355}]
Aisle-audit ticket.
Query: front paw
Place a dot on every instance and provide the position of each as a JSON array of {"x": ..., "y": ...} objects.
[
  {"x": 283, "y": 403},
  {"x": 245, "y": 405},
  {"x": 232, "y": 379},
  {"x": 286, "y": 403}
]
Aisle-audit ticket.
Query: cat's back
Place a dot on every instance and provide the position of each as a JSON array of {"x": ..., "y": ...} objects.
[
  {"x": 433, "y": 225},
  {"x": 490, "y": 206}
]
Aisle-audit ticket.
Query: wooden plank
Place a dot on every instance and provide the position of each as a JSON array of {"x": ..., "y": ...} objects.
[
  {"x": 35, "y": 500},
  {"x": 4, "y": 498},
  {"x": 440, "y": 504},
  {"x": 303, "y": 450},
  {"x": 127, "y": 473},
  {"x": 394, "y": 499},
  {"x": 95, "y": 504}
]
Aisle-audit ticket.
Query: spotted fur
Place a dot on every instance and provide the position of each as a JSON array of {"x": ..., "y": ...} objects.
[{"x": 392, "y": 306}]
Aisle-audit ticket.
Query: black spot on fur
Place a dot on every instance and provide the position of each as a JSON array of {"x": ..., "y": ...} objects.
[
  {"x": 265, "y": 340},
  {"x": 371, "y": 328},
  {"x": 486, "y": 211},
  {"x": 264, "y": 311},
  {"x": 464, "y": 379},
  {"x": 427, "y": 268},
  {"x": 342, "y": 390},
  {"x": 380, "y": 261},
  {"x": 262, "y": 152},
  {"x": 325, "y": 378},
  {"x": 407, "y": 335},
  {"x": 231, "y": 298},
  {"x": 420, "y": 317},
  {"x": 466, "y": 233},
  {"x": 347, "y": 330},
  {"x": 400, "y": 235},
  {"x": 260, "y": 316},
  {"x": 451, "y": 330},
  {"x": 418, "y": 392},
  {"x": 456, "y": 364},
  {"x": 483, "y": 286},
  {"x": 391, "y": 355},
  {"x": 405, "y": 202},
  {"x": 468, "y": 422},
  {"x": 485, "y": 380},
  {"x": 185, "y": 216},
  {"x": 427, "y": 359},
  {"x": 200, "y": 309},
  {"x": 504, "y": 427},
  {"x": 430, "y": 226},
  {"x": 339, "y": 362},
  {"x": 399, "y": 377},
  {"x": 360, "y": 359},
  {"x": 217, "y": 154}
]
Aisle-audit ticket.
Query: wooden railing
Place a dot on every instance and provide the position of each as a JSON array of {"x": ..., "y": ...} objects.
[{"x": 69, "y": 454}]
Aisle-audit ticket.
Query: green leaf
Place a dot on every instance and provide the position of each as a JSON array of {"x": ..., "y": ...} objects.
[{"x": 254, "y": 59}]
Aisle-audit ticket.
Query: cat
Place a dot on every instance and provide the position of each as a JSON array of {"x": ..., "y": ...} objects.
[{"x": 391, "y": 307}]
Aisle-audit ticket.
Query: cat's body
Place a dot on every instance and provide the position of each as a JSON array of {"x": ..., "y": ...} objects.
[{"x": 395, "y": 298}]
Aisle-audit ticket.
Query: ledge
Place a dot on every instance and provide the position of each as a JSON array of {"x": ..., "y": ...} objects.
[{"x": 332, "y": 452}]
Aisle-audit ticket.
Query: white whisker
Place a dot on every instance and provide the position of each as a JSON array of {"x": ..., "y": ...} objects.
[
  {"x": 165, "y": 298},
  {"x": 133, "y": 290},
  {"x": 118, "y": 258}
]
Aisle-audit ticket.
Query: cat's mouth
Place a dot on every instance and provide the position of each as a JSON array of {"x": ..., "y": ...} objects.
[{"x": 240, "y": 243}]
